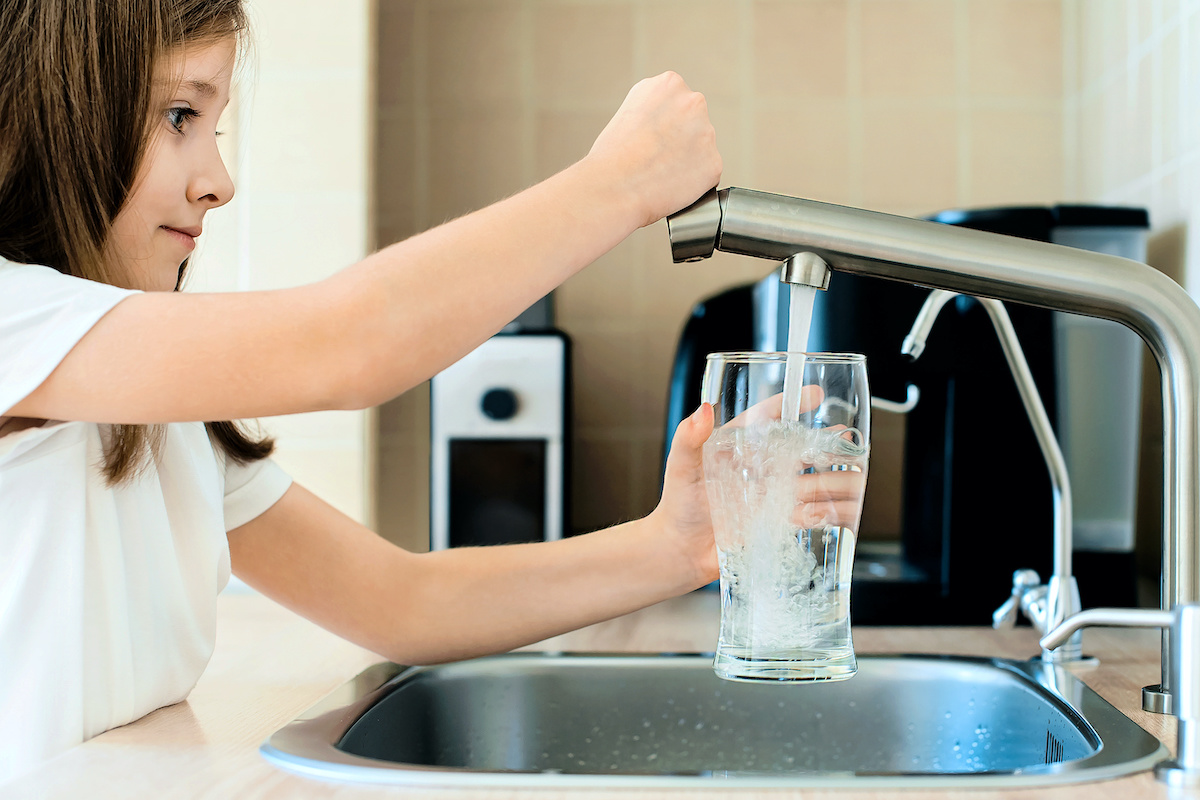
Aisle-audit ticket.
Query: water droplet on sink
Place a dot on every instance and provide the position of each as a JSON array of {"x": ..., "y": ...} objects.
[
  {"x": 947, "y": 715},
  {"x": 853, "y": 704},
  {"x": 781, "y": 704}
]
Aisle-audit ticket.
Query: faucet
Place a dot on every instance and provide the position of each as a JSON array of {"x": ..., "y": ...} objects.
[
  {"x": 1046, "y": 605},
  {"x": 1184, "y": 624},
  {"x": 1007, "y": 268}
]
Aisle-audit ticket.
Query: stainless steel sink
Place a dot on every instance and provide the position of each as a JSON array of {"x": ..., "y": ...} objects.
[{"x": 665, "y": 720}]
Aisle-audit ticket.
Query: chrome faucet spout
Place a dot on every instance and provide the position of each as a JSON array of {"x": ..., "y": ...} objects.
[
  {"x": 1184, "y": 623},
  {"x": 1045, "y": 605},
  {"x": 990, "y": 265},
  {"x": 914, "y": 343},
  {"x": 806, "y": 269}
]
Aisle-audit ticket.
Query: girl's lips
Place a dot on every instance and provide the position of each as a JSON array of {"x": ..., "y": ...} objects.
[{"x": 185, "y": 239}]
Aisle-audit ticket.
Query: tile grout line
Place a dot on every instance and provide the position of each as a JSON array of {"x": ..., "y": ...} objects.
[
  {"x": 1069, "y": 139},
  {"x": 421, "y": 118},
  {"x": 855, "y": 107},
  {"x": 529, "y": 95},
  {"x": 962, "y": 104}
]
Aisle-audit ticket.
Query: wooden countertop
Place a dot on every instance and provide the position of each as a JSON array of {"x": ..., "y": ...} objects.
[{"x": 270, "y": 665}]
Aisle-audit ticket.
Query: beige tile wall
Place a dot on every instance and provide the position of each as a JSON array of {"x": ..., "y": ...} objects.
[
  {"x": 906, "y": 106},
  {"x": 297, "y": 144},
  {"x": 1132, "y": 112}
]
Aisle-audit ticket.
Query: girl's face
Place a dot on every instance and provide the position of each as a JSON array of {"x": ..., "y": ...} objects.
[{"x": 182, "y": 175}]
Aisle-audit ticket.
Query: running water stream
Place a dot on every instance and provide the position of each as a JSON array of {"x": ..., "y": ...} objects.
[{"x": 799, "y": 321}]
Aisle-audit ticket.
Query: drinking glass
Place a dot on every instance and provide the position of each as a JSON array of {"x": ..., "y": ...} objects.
[{"x": 785, "y": 470}]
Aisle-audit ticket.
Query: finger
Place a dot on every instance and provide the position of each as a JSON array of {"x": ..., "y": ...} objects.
[
  {"x": 686, "y": 453},
  {"x": 811, "y": 397},
  {"x": 698, "y": 427},
  {"x": 830, "y": 486},
  {"x": 840, "y": 514},
  {"x": 671, "y": 81}
]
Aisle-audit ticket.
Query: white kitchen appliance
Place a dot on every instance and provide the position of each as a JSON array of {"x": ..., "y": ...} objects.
[{"x": 498, "y": 421}]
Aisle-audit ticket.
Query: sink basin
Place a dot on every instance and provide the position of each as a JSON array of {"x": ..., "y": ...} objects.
[{"x": 538, "y": 719}]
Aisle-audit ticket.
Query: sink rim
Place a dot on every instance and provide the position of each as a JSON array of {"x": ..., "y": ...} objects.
[{"x": 307, "y": 745}]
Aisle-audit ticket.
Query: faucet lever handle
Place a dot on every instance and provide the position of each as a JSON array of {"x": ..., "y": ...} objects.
[{"x": 1006, "y": 615}]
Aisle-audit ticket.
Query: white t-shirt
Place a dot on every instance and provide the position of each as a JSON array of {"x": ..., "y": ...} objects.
[{"x": 107, "y": 595}]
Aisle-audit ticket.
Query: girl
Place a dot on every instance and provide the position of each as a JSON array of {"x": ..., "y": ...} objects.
[{"x": 121, "y": 515}]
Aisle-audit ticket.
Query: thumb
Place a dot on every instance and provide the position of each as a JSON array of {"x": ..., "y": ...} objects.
[{"x": 690, "y": 436}]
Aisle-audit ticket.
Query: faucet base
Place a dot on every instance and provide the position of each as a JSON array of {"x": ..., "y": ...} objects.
[
  {"x": 1070, "y": 654},
  {"x": 1080, "y": 661},
  {"x": 1172, "y": 774},
  {"x": 1157, "y": 701}
]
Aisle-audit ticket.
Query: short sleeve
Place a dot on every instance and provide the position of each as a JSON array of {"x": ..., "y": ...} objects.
[
  {"x": 43, "y": 314},
  {"x": 250, "y": 489}
]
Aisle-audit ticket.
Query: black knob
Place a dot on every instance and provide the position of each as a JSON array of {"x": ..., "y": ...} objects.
[{"x": 499, "y": 404}]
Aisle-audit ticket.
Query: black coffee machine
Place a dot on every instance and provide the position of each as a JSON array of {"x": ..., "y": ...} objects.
[{"x": 977, "y": 501}]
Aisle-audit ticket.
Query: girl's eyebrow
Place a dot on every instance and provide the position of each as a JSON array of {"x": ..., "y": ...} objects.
[{"x": 202, "y": 88}]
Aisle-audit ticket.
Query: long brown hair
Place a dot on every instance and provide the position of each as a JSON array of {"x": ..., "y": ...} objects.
[{"x": 76, "y": 108}]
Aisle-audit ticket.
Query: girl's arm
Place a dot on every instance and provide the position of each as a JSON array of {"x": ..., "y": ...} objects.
[
  {"x": 459, "y": 603},
  {"x": 380, "y": 327}
]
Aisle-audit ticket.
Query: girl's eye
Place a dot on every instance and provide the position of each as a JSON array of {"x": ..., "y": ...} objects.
[{"x": 178, "y": 116}]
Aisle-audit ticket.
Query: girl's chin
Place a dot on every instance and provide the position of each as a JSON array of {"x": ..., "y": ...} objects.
[{"x": 163, "y": 278}]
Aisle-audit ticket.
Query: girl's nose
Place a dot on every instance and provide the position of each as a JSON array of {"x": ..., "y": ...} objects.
[{"x": 211, "y": 183}]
